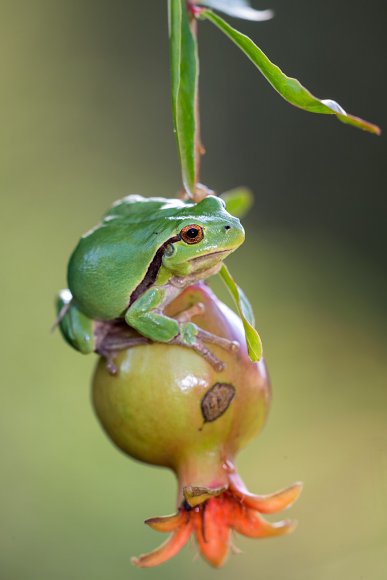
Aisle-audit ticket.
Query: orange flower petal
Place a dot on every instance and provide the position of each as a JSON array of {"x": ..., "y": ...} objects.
[
  {"x": 167, "y": 523},
  {"x": 249, "y": 523},
  {"x": 167, "y": 550},
  {"x": 212, "y": 531},
  {"x": 272, "y": 503}
]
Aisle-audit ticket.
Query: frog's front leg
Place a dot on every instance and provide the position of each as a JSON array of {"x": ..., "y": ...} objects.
[
  {"x": 147, "y": 317},
  {"x": 198, "y": 309},
  {"x": 203, "y": 336}
]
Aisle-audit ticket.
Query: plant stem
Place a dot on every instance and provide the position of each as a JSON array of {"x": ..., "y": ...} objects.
[
  {"x": 199, "y": 149},
  {"x": 198, "y": 145}
]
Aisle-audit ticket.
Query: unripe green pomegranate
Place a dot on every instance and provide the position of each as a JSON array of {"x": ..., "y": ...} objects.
[{"x": 168, "y": 406}]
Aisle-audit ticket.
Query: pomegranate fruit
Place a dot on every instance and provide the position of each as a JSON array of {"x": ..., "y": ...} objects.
[{"x": 168, "y": 406}]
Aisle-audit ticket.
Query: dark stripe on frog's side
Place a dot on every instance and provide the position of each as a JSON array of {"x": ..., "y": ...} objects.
[{"x": 153, "y": 270}]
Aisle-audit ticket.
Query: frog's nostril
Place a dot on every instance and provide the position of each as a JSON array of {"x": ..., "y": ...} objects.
[{"x": 227, "y": 227}]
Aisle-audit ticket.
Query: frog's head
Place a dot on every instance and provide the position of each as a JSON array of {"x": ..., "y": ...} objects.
[{"x": 205, "y": 235}]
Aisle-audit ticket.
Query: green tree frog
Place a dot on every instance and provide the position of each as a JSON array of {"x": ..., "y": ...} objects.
[{"x": 124, "y": 272}]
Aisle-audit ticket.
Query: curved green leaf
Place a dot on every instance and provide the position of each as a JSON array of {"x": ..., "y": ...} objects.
[
  {"x": 289, "y": 88},
  {"x": 254, "y": 344},
  {"x": 238, "y": 9},
  {"x": 238, "y": 201},
  {"x": 174, "y": 21},
  {"x": 184, "y": 79}
]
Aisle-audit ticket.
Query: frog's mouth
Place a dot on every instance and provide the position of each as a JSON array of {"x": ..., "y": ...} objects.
[
  {"x": 204, "y": 263},
  {"x": 219, "y": 254}
]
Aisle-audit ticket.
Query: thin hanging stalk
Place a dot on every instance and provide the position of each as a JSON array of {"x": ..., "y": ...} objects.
[{"x": 183, "y": 27}]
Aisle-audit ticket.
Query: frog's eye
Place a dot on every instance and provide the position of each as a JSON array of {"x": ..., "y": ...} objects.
[{"x": 192, "y": 234}]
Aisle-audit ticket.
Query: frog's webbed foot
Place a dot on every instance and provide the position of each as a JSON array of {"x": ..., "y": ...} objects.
[
  {"x": 110, "y": 364},
  {"x": 229, "y": 345},
  {"x": 109, "y": 350},
  {"x": 187, "y": 314},
  {"x": 202, "y": 337},
  {"x": 199, "y": 347}
]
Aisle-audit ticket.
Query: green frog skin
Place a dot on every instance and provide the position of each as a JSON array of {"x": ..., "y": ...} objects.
[{"x": 141, "y": 256}]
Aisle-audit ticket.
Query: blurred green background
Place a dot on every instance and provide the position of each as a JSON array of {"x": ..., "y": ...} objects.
[{"x": 84, "y": 117}]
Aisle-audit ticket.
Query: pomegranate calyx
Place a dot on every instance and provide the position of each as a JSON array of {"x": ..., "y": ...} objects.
[{"x": 212, "y": 520}]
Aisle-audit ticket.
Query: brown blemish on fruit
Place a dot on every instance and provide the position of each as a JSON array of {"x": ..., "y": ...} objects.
[{"x": 216, "y": 401}]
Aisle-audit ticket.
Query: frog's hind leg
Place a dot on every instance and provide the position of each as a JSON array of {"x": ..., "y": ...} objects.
[
  {"x": 111, "y": 339},
  {"x": 76, "y": 328}
]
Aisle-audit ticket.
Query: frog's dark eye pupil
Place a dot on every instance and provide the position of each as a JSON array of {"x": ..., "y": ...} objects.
[{"x": 192, "y": 234}]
